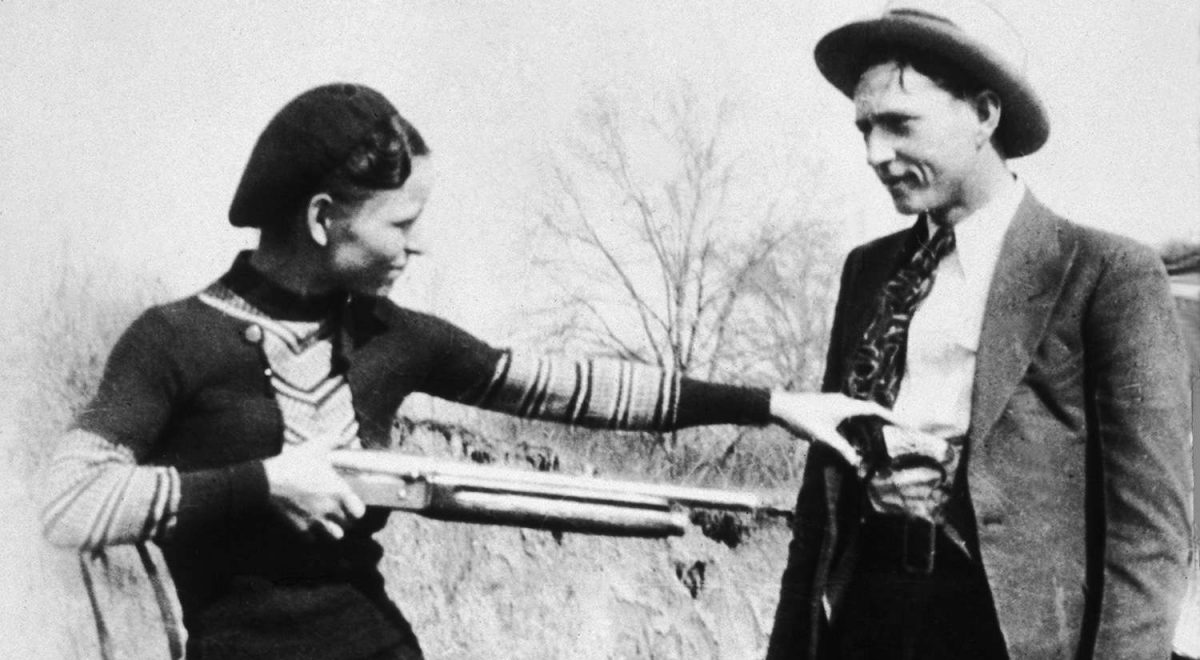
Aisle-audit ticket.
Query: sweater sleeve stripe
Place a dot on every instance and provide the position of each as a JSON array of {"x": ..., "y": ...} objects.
[
  {"x": 103, "y": 525},
  {"x": 597, "y": 393},
  {"x": 616, "y": 394},
  {"x": 575, "y": 402},
  {"x": 547, "y": 387},
  {"x": 499, "y": 376},
  {"x": 661, "y": 406},
  {"x": 166, "y": 503},
  {"x": 95, "y": 494},
  {"x": 621, "y": 402}
]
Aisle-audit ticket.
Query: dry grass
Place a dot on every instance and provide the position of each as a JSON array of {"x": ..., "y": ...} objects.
[
  {"x": 54, "y": 369},
  {"x": 65, "y": 352}
]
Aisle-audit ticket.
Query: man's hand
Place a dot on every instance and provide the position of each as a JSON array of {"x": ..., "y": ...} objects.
[
  {"x": 818, "y": 415},
  {"x": 915, "y": 482},
  {"x": 309, "y": 493}
]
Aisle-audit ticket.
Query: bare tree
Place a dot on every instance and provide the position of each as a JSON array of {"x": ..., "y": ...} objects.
[{"x": 661, "y": 248}]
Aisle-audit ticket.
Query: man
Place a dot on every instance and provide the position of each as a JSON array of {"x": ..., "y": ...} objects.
[{"x": 1044, "y": 357}]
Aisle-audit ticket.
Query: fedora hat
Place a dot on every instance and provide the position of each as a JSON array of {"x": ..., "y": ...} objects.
[{"x": 969, "y": 34}]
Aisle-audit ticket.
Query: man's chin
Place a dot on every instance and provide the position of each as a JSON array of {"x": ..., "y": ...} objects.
[
  {"x": 905, "y": 206},
  {"x": 907, "y": 203},
  {"x": 378, "y": 290}
]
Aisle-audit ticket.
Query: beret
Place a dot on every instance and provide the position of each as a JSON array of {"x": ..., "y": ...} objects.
[{"x": 311, "y": 136}]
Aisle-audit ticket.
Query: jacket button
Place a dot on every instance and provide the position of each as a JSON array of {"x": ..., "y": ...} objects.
[{"x": 253, "y": 334}]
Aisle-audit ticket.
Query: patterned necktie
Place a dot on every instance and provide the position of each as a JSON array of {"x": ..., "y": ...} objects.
[{"x": 878, "y": 363}]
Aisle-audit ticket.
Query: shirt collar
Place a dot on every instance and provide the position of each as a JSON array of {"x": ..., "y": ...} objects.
[
  {"x": 977, "y": 237},
  {"x": 274, "y": 300}
]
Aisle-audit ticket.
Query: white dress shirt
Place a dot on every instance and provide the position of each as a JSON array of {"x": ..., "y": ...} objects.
[
  {"x": 939, "y": 373},
  {"x": 943, "y": 336}
]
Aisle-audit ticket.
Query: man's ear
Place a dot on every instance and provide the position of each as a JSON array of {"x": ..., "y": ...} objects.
[
  {"x": 987, "y": 107},
  {"x": 316, "y": 218}
]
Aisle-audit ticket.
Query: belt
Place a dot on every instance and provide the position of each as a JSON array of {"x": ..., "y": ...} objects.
[{"x": 903, "y": 542}]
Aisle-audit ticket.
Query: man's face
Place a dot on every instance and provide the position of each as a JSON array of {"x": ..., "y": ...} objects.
[
  {"x": 922, "y": 142},
  {"x": 370, "y": 244}
]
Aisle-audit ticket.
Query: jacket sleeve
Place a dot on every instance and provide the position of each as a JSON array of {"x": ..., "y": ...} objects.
[
  {"x": 1137, "y": 386},
  {"x": 792, "y": 634}
]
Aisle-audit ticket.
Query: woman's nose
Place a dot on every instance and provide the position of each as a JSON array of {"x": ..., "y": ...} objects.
[
  {"x": 413, "y": 243},
  {"x": 414, "y": 248}
]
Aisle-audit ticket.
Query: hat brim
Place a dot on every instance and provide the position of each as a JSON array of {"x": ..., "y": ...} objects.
[{"x": 1024, "y": 126}]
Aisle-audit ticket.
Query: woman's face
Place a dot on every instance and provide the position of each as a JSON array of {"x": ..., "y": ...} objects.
[{"x": 369, "y": 243}]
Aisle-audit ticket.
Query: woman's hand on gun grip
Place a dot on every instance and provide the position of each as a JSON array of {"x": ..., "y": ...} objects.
[{"x": 309, "y": 492}]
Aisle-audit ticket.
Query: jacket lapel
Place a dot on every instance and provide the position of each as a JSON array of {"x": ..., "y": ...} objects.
[{"x": 1030, "y": 272}]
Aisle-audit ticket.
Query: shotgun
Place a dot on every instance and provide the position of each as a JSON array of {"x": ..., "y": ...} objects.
[{"x": 450, "y": 490}]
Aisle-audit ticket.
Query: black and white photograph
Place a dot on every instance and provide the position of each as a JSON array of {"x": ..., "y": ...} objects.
[{"x": 681, "y": 330}]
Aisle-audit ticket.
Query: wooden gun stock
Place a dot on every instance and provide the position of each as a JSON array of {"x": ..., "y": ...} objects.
[{"x": 465, "y": 492}]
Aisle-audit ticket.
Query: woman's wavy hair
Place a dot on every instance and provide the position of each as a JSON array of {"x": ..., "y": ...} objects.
[{"x": 382, "y": 161}]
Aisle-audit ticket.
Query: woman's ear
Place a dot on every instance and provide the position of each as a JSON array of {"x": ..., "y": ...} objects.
[{"x": 316, "y": 218}]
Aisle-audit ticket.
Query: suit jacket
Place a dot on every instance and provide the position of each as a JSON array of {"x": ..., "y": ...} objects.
[{"x": 1077, "y": 480}]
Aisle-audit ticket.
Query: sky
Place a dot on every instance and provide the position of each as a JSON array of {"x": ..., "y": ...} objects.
[{"x": 125, "y": 126}]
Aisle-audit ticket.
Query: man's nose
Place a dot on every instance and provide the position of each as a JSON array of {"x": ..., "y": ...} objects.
[{"x": 879, "y": 150}]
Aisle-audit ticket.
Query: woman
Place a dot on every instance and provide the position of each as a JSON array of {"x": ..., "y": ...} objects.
[{"x": 209, "y": 432}]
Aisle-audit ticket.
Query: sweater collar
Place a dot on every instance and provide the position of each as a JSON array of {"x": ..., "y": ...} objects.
[{"x": 276, "y": 301}]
